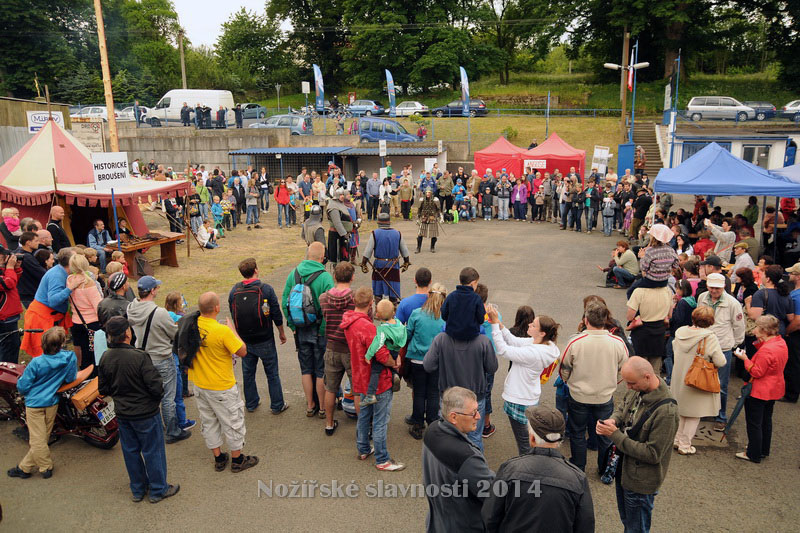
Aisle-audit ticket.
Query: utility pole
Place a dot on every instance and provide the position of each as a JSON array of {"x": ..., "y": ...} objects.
[
  {"x": 183, "y": 62},
  {"x": 623, "y": 82},
  {"x": 101, "y": 39}
]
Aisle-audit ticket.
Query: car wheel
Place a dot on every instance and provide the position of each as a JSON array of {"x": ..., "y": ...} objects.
[
  {"x": 295, "y": 133},
  {"x": 155, "y": 123},
  {"x": 368, "y": 113},
  {"x": 741, "y": 116},
  {"x": 364, "y": 140},
  {"x": 796, "y": 118},
  {"x": 473, "y": 113},
  {"x": 761, "y": 116},
  {"x": 262, "y": 115},
  {"x": 696, "y": 117},
  {"x": 439, "y": 114}
]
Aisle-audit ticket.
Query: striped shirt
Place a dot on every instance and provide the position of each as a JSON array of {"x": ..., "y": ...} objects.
[{"x": 657, "y": 262}]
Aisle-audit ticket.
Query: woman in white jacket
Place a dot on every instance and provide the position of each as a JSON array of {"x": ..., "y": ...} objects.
[
  {"x": 529, "y": 358},
  {"x": 385, "y": 196},
  {"x": 207, "y": 235}
]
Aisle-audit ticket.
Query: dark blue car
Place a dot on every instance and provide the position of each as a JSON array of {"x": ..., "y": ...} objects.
[
  {"x": 477, "y": 108},
  {"x": 764, "y": 110}
]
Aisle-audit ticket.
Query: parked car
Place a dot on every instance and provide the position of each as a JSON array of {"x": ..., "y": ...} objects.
[
  {"x": 251, "y": 110},
  {"x": 372, "y": 129},
  {"x": 791, "y": 111},
  {"x": 764, "y": 110},
  {"x": 477, "y": 108},
  {"x": 406, "y": 109},
  {"x": 94, "y": 111},
  {"x": 127, "y": 113},
  {"x": 718, "y": 107},
  {"x": 297, "y": 124},
  {"x": 366, "y": 108}
]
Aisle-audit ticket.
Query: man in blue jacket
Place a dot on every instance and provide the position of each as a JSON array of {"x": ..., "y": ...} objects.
[
  {"x": 39, "y": 383},
  {"x": 98, "y": 239}
]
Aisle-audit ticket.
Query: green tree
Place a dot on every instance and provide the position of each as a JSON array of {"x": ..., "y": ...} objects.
[{"x": 783, "y": 33}]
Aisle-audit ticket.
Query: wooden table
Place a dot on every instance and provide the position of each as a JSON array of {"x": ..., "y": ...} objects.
[{"x": 167, "y": 242}]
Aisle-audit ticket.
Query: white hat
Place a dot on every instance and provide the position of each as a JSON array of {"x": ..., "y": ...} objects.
[{"x": 715, "y": 280}]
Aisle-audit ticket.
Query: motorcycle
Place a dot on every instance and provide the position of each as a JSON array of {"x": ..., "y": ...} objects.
[{"x": 82, "y": 412}]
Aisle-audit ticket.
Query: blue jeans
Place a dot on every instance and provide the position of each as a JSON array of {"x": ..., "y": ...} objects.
[
  {"x": 263, "y": 199},
  {"x": 575, "y": 217},
  {"x": 623, "y": 276},
  {"x": 579, "y": 415},
  {"x": 166, "y": 368},
  {"x": 268, "y": 354},
  {"x": 196, "y": 222},
  {"x": 283, "y": 210},
  {"x": 204, "y": 210},
  {"x": 142, "y": 444},
  {"x": 518, "y": 211},
  {"x": 488, "y": 397},
  {"x": 724, "y": 377},
  {"x": 476, "y": 437},
  {"x": 378, "y": 415},
  {"x": 608, "y": 224},
  {"x": 252, "y": 214},
  {"x": 669, "y": 360},
  {"x": 564, "y": 211},
  {"x": 180, "y": 407},
  {"x": 635, "y": 510},
  {"x": 589, "y": 218},
  {"x": 502, "y": 208},
  {"x": 311, "y": 351}
]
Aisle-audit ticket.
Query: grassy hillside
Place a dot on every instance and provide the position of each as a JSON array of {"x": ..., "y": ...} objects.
[{"x": 582, "y": 91}]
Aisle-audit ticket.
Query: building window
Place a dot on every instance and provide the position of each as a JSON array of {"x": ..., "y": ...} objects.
[
  {"x": 691, "y": 148},
  {"x": 756, "y": 154}
]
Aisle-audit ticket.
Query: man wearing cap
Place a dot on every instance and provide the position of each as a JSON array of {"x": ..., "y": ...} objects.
[
  {"x": 643, "y": 428},
  {"x": 387, "y": 244},
  {"x": 428, "y": 214},
  {"x": 155, "y": 330},
  {"x": 711, "y": 265},
  {"x": 545, "y": 490},
  {"x": 340, "y": 229},
  {"x": 729, "y": 326},
  {"x": 115, "y": 304},
  {"x": 127, "y": 374},
  {"x": 743, "y": 260},
  {"x": 456, "y": 476}
]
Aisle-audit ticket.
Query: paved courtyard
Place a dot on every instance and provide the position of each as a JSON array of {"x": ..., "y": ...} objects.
[{"x": 521, "y": 263}]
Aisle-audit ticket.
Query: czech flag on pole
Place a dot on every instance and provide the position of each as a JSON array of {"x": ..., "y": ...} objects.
[{"x": 630, "y": 79}]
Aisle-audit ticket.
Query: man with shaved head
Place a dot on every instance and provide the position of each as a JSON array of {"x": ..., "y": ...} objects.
[
  {"x": 45, "y": 240},
  {"x": 309, "y": 326},
  {"x": 218, "y": 403},
  {"x": 643, "y": 429},
  {"x": 60, "y": 239}
]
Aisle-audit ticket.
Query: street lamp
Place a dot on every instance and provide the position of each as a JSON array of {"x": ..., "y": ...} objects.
[{"x": 630, "y": 68}]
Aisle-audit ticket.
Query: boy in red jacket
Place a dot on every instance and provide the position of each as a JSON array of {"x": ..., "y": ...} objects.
[{"x": 359, "y": 332}]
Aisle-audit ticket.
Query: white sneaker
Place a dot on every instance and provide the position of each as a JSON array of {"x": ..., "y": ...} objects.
[{"x": 390, "y": 466}]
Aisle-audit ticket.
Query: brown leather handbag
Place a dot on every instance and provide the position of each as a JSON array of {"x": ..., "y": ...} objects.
[{"x": 702, "y": 374}]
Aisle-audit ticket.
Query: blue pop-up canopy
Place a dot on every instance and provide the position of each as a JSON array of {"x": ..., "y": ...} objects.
[
  {"x": 715, "y": 171},
  {"x": 792, "y": 172}
]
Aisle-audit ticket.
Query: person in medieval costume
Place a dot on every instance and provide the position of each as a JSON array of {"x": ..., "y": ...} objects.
[
  {"x": 341, "y": 226},
  {"x": 355, "y": 216},
  {"x": 387, "y": 246},
  {"x": 312, "y": 231},
  {"x": 428, "y": 214}
]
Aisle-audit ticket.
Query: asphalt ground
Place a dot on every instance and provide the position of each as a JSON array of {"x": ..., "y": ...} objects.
[{"x": 521, "y": 263}]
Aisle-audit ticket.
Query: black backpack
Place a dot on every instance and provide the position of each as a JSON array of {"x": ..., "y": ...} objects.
[{"x": 248, "y": 316}]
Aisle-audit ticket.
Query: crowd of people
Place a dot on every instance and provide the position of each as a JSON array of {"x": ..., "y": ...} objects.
[{"x": 696, "y": 312}]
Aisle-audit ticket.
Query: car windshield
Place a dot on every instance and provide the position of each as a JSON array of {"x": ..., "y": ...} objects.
[{"x": 400, "y": 128}]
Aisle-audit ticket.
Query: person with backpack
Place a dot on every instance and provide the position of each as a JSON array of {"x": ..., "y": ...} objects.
[
  {"x": 254, "y": 308},
  {"x": 301, "y": 308}
]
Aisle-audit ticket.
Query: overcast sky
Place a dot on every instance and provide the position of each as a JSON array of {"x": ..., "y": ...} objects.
[{"x": 203, "y": 19}]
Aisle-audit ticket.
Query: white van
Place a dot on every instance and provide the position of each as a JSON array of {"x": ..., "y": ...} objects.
[{"x": 168, "y": 109}]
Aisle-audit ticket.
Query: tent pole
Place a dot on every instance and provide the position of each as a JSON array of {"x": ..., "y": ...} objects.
[
  {"x": 775, "y": 230},
  {"x": 116, "y": 220},
  {"x": 764, "y": 214}
]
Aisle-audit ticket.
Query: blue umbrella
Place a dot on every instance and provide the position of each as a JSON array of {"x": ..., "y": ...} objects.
[{"x": 737, "y": 409}]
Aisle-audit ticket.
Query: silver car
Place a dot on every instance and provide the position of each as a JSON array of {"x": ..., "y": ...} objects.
[
  {"x": 719, "y": 108},
  {"x": 297, "y": 124}
]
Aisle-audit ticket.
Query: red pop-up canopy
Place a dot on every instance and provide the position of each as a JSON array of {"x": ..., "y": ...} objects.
[
  {"x": 52, "y": 163},
  {"x": 555, "y": 153},
  {"x": 500, "y": 155}
]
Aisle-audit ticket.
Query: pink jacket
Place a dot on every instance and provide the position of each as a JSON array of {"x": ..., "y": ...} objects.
[
  {"x": 522, "y": 191},
  {"x": 766, "y": 367}
]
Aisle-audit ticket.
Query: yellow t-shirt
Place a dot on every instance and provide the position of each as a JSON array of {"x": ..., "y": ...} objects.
[
  {"x": 212, "y": 367},
  {"x": 652, "y": 304}
]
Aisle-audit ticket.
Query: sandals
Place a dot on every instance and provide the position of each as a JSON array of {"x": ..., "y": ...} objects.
[
  {"x": 311, "y": 412},
  {"x": 691, "y": 450},
  {"x": 330, "y": 431},
  {"x": 321, "y": 413}
]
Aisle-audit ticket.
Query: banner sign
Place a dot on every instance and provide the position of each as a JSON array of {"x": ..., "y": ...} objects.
[
  {"x": 390, "y": 90},
  {"x": 535, "y": 164},
  {"x": 91, "y": 134},
  {"x": 110, "y": 169},
  {"x": 37, "y": 119},
  {"x": 320, "y": 101},
  {"x": 464, "y": 92},
  {"x": 600, "y": 158}
]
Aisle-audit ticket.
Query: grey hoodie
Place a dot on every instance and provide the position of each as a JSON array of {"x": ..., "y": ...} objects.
[{"x": 162, "y": 329}]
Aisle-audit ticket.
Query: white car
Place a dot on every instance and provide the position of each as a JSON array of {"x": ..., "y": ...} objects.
[
  {"x": 94, "y": 111},
  {"x": 127, "y": 113},
  {"x": 406, "y": 109},
  {"x": 791, "y": 111}
]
